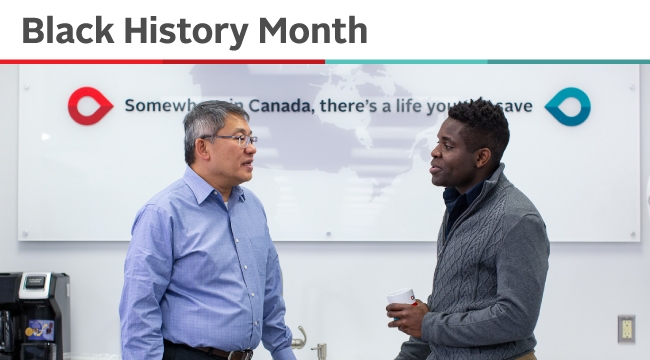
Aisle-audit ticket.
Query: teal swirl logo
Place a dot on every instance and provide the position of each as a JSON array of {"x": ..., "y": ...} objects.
[{"x": 553, "y": 106}]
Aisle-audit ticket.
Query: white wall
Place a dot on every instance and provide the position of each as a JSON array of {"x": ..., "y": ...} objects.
[{"x": 336, "y": 291}]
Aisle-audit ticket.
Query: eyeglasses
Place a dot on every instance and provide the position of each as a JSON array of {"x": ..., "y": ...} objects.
[{"x": 244, "y": 140}]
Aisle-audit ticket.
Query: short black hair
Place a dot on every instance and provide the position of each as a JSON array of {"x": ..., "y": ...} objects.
[{"x": 485, "y": 126}]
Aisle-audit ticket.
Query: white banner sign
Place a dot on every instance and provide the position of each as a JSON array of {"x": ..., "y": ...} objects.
[{"x": 343, "y": 152}]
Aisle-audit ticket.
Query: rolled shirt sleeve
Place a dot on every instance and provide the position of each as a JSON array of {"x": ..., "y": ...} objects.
[
  {"x": 276, "y": 336},
  {"x": 147, "y": 272}
]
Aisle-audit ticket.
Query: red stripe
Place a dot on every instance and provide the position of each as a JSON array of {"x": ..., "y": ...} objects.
[
  {"x": 78, "y": 61},
  {"x": 172, "y": 61}
]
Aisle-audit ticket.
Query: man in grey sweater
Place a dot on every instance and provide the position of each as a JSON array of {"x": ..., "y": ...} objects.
[{"x": 492, "y": 250}]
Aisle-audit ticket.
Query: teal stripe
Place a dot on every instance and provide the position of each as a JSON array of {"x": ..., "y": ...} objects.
[
  {"x": 390, "y": 62},
  {"x": 580, "y": 61},
  {"x": 522, "y": 61}
]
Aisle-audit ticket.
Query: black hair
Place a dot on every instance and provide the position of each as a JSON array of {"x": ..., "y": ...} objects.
[{"x": 485, "y": 126}]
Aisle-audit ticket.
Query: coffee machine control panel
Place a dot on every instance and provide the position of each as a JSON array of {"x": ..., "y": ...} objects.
[{"x": 35, "y": 285}]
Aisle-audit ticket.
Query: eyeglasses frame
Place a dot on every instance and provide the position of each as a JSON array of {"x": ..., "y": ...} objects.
[{"x": 248, "y": 139}]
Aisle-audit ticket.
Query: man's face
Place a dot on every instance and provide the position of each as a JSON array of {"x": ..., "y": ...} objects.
[
  {"x": 453, "y": 165},
  {"x": 230, "y": 164}
]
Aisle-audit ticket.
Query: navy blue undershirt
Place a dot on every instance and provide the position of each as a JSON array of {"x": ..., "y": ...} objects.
[{"x": 457, "y": 203}]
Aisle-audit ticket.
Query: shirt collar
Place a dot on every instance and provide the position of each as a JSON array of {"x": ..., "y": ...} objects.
[
  {"x": 475, "y": 191},
  {"x": 450, "y": 195},
  {"x": 202, "y": 189}
]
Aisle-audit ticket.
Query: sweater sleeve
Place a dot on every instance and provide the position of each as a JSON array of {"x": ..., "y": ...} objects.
[
  {"x": 521, "y": 266},
  {"x": 414, "y": 349}
]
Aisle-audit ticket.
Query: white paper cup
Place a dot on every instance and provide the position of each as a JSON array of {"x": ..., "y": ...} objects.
[{"x": 402, "y": 296}]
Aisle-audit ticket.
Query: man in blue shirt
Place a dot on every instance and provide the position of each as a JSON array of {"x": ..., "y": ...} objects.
[{"x": 201, "y": 277}]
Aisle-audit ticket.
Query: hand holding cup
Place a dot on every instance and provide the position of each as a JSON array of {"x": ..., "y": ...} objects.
[{"x": 411, "y": 311}]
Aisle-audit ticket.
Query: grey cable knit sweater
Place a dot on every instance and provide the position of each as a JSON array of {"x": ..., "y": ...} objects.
[{"x": 489, "y": 280}]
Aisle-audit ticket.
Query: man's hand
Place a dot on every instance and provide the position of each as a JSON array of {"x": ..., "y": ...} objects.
[{"x": 409, "y": 317}]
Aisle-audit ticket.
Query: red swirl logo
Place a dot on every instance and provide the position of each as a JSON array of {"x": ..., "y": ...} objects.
[{"x": 104, "y": 106}]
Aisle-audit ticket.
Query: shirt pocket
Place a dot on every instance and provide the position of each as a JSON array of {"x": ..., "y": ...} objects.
[{"x": 260, "y": 248}]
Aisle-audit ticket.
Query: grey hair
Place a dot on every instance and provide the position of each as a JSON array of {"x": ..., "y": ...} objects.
[{"x": 206, "y": 118}]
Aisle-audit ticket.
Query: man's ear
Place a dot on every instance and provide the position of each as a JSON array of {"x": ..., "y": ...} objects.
[
  {"x": 201, "y": 150},
  {"x": 483, "y": 157}
]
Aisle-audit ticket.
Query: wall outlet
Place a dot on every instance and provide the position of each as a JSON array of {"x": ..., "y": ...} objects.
[{"x": 626, "y": 329}]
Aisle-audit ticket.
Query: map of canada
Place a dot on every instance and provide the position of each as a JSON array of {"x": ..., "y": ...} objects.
[{"x": 326, "y": 118}]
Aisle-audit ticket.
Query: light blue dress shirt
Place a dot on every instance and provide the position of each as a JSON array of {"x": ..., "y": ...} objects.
[{"x": 202, "y": 274}]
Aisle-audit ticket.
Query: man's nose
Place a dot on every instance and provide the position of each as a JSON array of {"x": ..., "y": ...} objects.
[
  {"x": 435, "y": 153},
  {"x": 250, "y": 149}
]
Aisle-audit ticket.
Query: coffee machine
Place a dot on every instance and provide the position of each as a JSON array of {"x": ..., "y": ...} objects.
[
  {"x": 35, "y": 313},
  {"x": 10, "y": 311}
]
